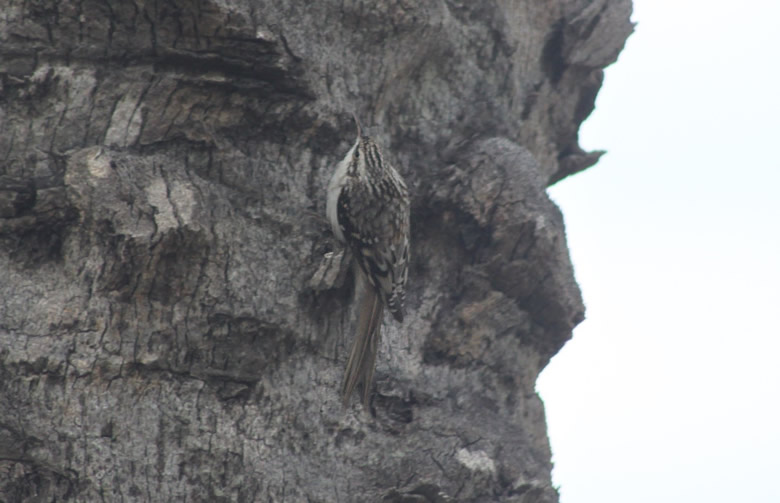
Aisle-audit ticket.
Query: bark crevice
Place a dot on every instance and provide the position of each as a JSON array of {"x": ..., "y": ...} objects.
[{"x": 169, "y": 329}]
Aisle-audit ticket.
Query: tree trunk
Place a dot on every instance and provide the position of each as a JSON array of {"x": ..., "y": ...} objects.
[{"x": 168, "y": 328}]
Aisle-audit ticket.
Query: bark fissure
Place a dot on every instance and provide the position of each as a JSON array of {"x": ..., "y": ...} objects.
[{"x": 169, "y": 328}]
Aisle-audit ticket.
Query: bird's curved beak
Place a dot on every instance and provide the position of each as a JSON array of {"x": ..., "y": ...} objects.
[{"x": 357, "y": 123}]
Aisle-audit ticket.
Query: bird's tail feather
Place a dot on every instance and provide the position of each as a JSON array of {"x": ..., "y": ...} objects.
[{"x": 362, "y": 358}]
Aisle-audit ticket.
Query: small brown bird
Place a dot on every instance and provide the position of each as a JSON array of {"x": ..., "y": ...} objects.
[{"x": 368, "y": 209}]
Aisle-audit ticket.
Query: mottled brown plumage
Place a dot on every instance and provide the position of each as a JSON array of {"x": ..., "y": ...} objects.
[{"x": 368, "y": 208}]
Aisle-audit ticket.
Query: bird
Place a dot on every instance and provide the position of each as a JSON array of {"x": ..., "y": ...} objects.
[{"x": 368, "y": 210}]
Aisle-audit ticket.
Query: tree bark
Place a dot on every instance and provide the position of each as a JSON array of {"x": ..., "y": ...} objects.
[{"x": 168, "y": 331}]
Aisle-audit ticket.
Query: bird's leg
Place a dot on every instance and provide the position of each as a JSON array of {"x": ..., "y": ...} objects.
[{"x": 332, "y": 271}]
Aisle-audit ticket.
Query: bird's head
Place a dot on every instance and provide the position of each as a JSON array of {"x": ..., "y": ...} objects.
[{"x": 364, "y": 157}]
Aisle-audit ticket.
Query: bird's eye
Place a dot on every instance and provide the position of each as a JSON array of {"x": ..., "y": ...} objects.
[{"x": 357, "y": 154}]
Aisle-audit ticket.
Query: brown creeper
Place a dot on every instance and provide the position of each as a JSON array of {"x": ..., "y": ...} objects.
[{"x": 368, "y": 209}]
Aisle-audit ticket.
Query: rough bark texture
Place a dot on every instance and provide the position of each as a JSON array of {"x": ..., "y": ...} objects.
[{"x": 162, "y": 165}]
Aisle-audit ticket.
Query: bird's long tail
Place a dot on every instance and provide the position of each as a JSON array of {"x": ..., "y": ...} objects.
[{"x": 362, "y": 359}]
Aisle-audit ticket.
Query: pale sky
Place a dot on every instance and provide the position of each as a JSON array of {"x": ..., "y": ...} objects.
[{"x": 670, "y": 390}]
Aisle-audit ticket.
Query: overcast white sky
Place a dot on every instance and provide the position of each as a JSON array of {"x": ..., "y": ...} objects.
[{"x": 670, "y": 390}]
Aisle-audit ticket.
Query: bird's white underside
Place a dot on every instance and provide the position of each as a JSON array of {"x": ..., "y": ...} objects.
[{"x": 337, "y": 182}]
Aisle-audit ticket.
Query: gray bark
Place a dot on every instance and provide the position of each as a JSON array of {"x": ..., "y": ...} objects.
[{"x": 162, "y": 168}]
